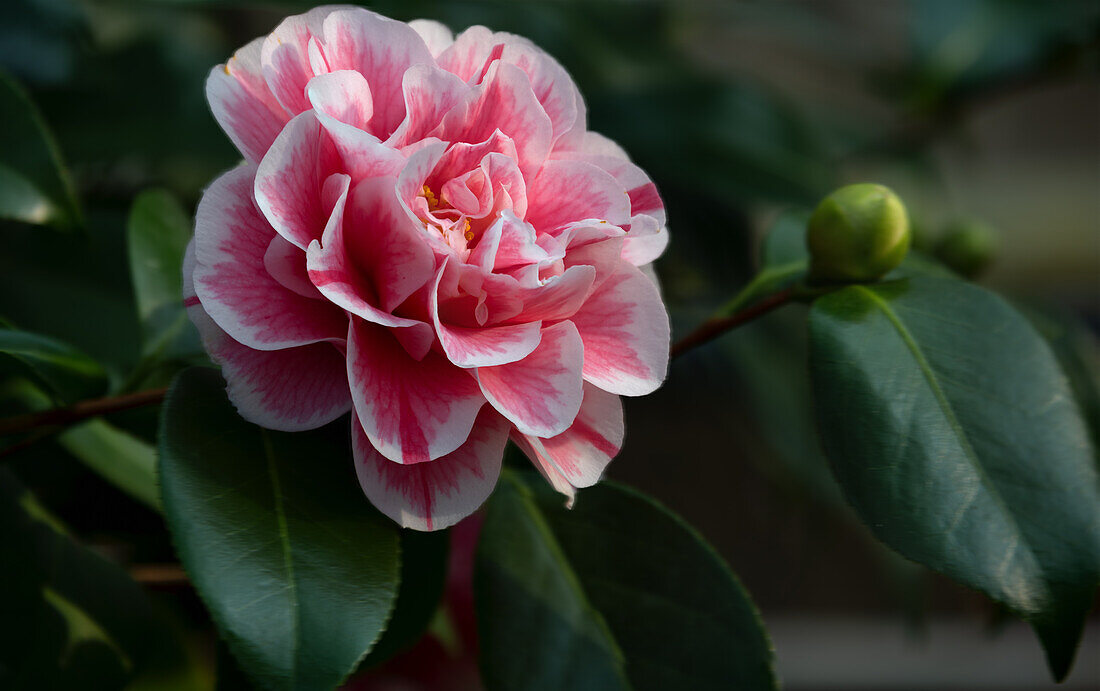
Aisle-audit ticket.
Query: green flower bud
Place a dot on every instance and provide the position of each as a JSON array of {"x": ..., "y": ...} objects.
[
  {"x": 967, "y": 247},
  {"x": 857, "y": 233}
]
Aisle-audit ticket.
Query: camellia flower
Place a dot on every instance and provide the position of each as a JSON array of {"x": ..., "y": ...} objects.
[{"x": 424, "y": 233}]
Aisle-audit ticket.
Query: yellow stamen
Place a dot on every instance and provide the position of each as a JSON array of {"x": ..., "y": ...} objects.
[
  {"x": 469, "y": 234},
  {"x": 433, "y": 203}
]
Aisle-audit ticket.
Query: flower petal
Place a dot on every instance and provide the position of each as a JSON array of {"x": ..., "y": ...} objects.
[
  {"x": 342, "y": 95},
  {"x": 379, "y": 48},
  {"x": 287, "y": 265},
  {"x": 290, "y": 390},
  {"x": 436, "y": 36},
  {"x": 503, "y": 101},
  {"x": 440, "y": 493},
  {"x": 581, "y": 453},
  {"x": 236, "y": 289},
  {"x": 482, "y": 346},
  {"x": 540, "y": 394},
  {"x": 337, "y": 277},
  {"x": 285, "y": 56},
  {"x": 290, "y": 179},
  {"x": 411, "y": 411},
  {"x": 429, "y": 94},
  {"x": 388, "y": 245},
  {"x": 569, "y": 191},
  {"x": 243, "y": 104},
  {"x": 646, "y": 240},
  {"x": 625, "y": 331}
]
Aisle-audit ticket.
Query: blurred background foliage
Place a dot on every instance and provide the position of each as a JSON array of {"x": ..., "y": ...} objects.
[{"x": 982, "y": 114}]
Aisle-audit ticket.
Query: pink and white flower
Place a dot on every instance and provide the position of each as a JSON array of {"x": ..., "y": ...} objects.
[{"x": 424, "y": 233}]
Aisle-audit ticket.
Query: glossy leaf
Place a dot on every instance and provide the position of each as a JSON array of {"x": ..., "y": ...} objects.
[
  {"x": 157, "y": 234},
  {"x": 617, "y": 593},
  {"x": 67, "y": 373},
  {"x": 119, "y": 457},
  {"x": 34, "y": 187},
  {"x": 71, "y": 619},
  {"x": 957, "y": 439},
  {"x": 298, "y": 571},
  {"x": 423, "y": 576}
]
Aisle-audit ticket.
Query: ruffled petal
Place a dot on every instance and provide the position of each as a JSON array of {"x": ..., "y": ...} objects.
[
  {"x": 581, "y": 453},
  {"x": 290, "y": 390},
  {"x": 625, "y": 331},
  {"x": 286, "y": 60},
  {"x": 232, "y": 280},
  {"x": 440, "y": 493},
  {"x": 568, "y": 191},
  {"x": 243, "y": 104},
  {"x": 411, "y": 411},
  {"x": 379, "y": 48},
  {"x": 540, "y": 394},
  {"x": 482, "y": 346},
  {"x": 336, "y": 276},
  {"x": 436, "y": 36},
  {"x": 291, "y": 177}
]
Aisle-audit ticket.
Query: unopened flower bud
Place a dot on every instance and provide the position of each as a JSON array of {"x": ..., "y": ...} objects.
[{"x": 857, "y": 233}]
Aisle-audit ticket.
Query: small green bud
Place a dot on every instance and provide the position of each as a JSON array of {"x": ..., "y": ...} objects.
[
  {"x": 857, "y": 233},
  {"x": 967, "y": 247}
]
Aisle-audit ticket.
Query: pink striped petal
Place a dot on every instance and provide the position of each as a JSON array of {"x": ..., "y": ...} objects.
[
  {"x": 342, "y": 95},
  {"x": 411, "y": 411},
  {"x": 242, "y": 103},
  {"x": 540, "y": 394},
  {"x": 337, "y": 278},
  {"x": 388, "y": 245},
  {"x": 435, "y": 35},
  {"x": 440, "y": 493},
  {"x": 644, "y": 198},
  {"x": 603, "y": 255},
  {"x": 569, "y": 191},
  {"x": 551, "y": 84},
  {"x": 290, "y": 390},
  {"x": 290, "y": 179},
  {"x": 545, "y": 468},
  {"x": 503, "y": 101},
  {"x": 581, "y": 453},
  {"x": 559, "y": 297},
  {"x": 380, "y": 49},
  {"x": 625, "y": 331},
  {"x": 285, "y": 56},
  {"x": 429, "y": 94},
  {"x": 287, "y": 265},
  {"x": 484, "y": 346},
  {"x": 231, "y": 279}
]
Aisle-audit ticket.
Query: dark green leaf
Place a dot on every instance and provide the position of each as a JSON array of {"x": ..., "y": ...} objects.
[
  {"x": 119, "y": 457},
  {"x": 69, "y": 374},
  {"x": 34, "y": 187},
  {"x": 617, "y": 593},
  {"x": 71, "y": 618},
  {"x": 956, "y": 437},
  {"x": 157, "y": 235},
  {"x": 423, "y": 576},
  {"x": 298, "y": 571}
]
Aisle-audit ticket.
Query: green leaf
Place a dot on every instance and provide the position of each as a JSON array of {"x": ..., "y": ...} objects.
[
  {"x": 423, "y": 577},
  {"x": 34, "y": 187},
  {"x": 71, "y": 618},
  {"x": 157, "y": 234},
  {"x": 617, "y": 593},
  {"x": 956, "y": 437},
  {"x": 121, "y": 458},
  {"x": 298, "y": 571},
  {"x": 68, "y": 373}
]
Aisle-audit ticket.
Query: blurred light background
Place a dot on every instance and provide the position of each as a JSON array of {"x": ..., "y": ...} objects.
[{"x": 982, "y": 114}]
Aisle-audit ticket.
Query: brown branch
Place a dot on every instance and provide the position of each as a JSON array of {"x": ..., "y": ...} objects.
[
  {"x": 79, "y": 411},
  {"x": 713, "y": 328}
]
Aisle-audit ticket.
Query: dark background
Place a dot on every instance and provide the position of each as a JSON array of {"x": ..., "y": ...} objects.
[{"x": 979, "y": 112}]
